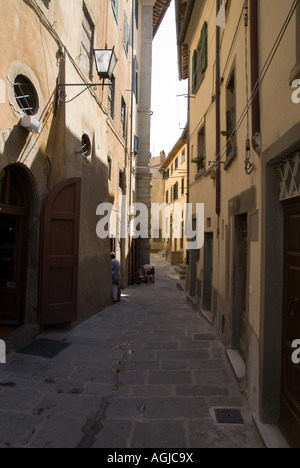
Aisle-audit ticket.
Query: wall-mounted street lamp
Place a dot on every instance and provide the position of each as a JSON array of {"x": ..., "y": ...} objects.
[{"x": 106, "y": 61}]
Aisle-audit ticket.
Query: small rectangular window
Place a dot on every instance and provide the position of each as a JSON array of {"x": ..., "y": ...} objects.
[
  {"x": 136, "y": 144},
  {"x": 135, "y": 78},
  {"x": 126, "y": 34},
  {"x": 175, "y": 191},
  {"x": 167, "y": 197},
  {"x": 109, "y": 168},
  {"x": 183, "y": 157},
  {"x": 201, "y": 150},
  {"x": 176, "y": 163},
  {"x": 121, "y": 179},
  {"x": 123, "y": 118},
  {"x": 166, "y": 174},
  {"x": 111, "y": 90},
  {"x": 182, "y": 186},
  {"x": 229, "y": 133}
]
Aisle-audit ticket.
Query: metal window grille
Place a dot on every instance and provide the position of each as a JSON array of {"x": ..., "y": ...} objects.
[
  {"x": 289, "y": 173},
  {"x": 86, "y": 146},
  {"x": 25, "y": 95}
]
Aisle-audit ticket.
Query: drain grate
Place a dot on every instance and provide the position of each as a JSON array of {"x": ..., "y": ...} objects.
[
  {"x": 44, "y": 348},
  {"x": 229, "y": 416},
  {"x": 179, "y": 287},
  {"x": 203, "y": 337}
]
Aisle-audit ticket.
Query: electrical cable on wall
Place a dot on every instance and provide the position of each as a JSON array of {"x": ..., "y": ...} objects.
[{"x": 261, "y": 78}]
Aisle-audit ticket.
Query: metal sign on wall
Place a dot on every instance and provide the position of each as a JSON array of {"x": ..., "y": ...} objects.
[{"x": 289, "y": 172}]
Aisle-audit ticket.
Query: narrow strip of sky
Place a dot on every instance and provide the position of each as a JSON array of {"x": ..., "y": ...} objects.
[{"x": 169, "y": 111}]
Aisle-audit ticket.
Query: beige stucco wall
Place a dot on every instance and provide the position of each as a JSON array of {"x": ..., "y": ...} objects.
[
  {"x": 176, "y": 176},
  {"x": 234, "y": 181},
  {"x": 240, "y": 193},
  {"x": 31, "y": 35}
]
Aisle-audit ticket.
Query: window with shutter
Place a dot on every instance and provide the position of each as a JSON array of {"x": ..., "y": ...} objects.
[
  {"x": 115, "y": 9},
  {"x": 230, "y": 133},
  {"x": 175, "y": 191},
  {"x": 135, "y": 78},
  {"x": 123, "y": 118},
  {"x": 195, "y": 67},
  {"x": 87, "y": 43},
  {"x": 111, "y": 90},
  {"x": 166, "y": 174},
  {"x": 203, "y": 48},
  {"x": 126, "y": 34},
  {"x": 137, "y": 13}
]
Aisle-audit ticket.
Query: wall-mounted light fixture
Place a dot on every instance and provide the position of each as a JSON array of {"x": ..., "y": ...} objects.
[{"x": 106, "y": 61}]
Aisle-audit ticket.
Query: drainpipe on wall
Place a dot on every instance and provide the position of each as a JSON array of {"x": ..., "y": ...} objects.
[
  {"x": 254, "y": 54},
  {"x": 218, "y": 123}
]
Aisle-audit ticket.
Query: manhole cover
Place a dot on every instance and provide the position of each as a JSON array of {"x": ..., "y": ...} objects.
[
  {"x": 204, "y": 337},
  {"x": 44, "y": 348},
  {"x": 179, "y": 287},
  {"x": 229, "y": 416}
]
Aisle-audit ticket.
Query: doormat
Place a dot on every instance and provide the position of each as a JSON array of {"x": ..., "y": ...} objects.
[
  {"x": 229, "y": 416},
  {"x": 43, "y": 348}
]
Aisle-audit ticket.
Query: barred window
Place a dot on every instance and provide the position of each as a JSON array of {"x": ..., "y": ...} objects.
[
  {"x": 86, "y": 146},
  {"x": 26, "y": 95}
]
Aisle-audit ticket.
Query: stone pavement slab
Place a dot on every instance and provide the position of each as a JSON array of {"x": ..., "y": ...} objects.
[{"x": 146, "y": 373}]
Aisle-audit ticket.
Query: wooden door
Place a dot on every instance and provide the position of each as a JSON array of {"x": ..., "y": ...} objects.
[
  {"x": 14, "y": 210},
  {"x": 59, "y": 254},
  {"x": 290, "y": 392},
  {"x": 244, "y": 284},
  {"x": 208, "y": 271}
]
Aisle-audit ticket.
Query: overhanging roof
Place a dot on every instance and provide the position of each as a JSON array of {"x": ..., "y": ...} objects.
[
  {"x": 184, "y": 10},
  {"x": 175, "y": 150},
  {"x": 159, "y": 11}
]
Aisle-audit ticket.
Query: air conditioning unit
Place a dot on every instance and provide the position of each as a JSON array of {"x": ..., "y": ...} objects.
[{"x": 31, "y": 124}]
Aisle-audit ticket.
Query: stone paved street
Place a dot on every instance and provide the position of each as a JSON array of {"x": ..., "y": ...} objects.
[{"x": 134, "y": 376}]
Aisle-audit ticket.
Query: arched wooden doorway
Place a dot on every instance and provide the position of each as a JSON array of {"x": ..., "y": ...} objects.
[{"x": 14, "y": 213}]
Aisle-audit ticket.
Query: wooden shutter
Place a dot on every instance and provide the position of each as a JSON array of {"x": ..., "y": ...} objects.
[
  {"x": 203, "y": 46},
  {"x": 176, "y": 191},
  {"x": 135, "y": 78},
  {"x": 59, "y": 253},
  {"x": 137, "y": 13},
  {"x": 195, "y": 80}
]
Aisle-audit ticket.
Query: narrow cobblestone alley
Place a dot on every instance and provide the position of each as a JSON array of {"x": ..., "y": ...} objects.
[{"x": 146, "y": 373}]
